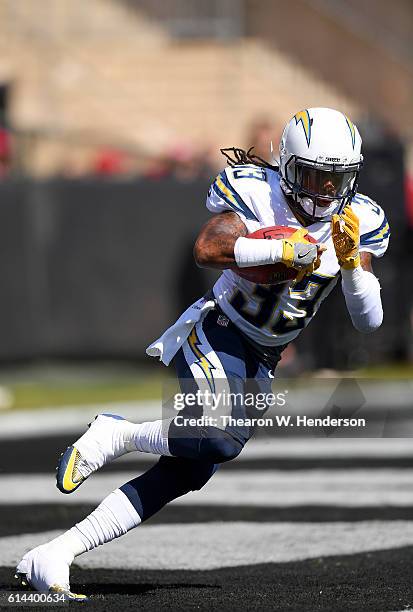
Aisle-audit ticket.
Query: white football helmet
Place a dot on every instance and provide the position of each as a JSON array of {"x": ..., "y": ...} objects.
[{"x": 320, "y": 160}]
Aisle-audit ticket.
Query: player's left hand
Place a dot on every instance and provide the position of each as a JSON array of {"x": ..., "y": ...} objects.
[{"x": 345, "y": 230}]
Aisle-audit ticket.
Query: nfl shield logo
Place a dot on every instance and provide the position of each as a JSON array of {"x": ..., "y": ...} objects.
[{"x": 222, "y": 320}]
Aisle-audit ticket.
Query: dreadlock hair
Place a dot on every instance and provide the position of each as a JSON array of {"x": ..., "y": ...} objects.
[{"x": 240, "y": 157}]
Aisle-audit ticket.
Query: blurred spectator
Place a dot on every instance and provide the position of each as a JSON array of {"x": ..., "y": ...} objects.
[
  {"x": 182, "y": 162},
  {"x": 5, "y": 153},
  {"x": 409, "y": 199},
  {"x": 158, "y": 167},
  {"x": 108, "y": 162},
  {"x": 112, "y": 162},
  {"x": 260, "y": 135}
]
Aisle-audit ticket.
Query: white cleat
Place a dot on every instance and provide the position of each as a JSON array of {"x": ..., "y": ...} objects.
[
  {"x": 45, "y": 569},
  {"x": 109, "y": 436}
]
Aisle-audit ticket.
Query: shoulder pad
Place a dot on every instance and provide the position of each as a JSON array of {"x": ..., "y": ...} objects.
[
  {"x": 374, "y": 227},
  {"x": 233, "y": 189}
]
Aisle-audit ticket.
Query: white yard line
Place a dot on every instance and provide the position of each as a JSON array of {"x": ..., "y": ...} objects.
[
  {"x": 49, "y": 421},
  {"x": 347, "y": 488},
  {"x": 73, "y": 420},
  {"x": 328, "y": 448},
  {"x": 323, "y": 448},
  {"x": 213, "y": 545}
]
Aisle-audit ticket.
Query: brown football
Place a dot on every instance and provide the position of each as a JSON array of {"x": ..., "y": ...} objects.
[{"x": 271, "y": 274}]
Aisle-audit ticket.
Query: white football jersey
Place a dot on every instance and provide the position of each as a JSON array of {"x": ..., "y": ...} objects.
[{"x": 274, "y": 315}]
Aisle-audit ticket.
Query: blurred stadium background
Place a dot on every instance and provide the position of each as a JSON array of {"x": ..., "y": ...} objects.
[{"x": 112, "y": 114}]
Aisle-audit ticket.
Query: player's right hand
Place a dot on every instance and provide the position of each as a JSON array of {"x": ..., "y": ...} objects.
[{"x": 299, "y": 255}]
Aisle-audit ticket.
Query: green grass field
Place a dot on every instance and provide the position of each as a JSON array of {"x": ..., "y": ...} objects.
[{"x": 52, "y": 385}]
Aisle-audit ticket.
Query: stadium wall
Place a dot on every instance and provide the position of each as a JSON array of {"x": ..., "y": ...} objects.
[{"x": 99, "y": 269}]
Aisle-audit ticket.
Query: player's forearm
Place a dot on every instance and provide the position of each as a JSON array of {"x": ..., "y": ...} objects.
[
  {"x": 361, "y": 288},
  {"x": 257, "y": 252},
  {"x": 217, "y": 253},
  {"x": 214, "y": 247},
  {"x": 261, "y": 252},
  {"x": 225, "y": 251},
  {"x": 361, "y": 291}
]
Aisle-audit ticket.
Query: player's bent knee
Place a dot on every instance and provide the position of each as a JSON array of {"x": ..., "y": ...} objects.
[
  {"x": 219, "y": 449},
  {"x": 209, "y": 444}
]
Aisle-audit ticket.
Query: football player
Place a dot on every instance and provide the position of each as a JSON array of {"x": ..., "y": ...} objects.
[{"x": 234, "y": 336}]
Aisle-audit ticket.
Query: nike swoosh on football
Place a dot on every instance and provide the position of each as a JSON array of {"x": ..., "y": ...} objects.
[{"x": 304, "y": 255}]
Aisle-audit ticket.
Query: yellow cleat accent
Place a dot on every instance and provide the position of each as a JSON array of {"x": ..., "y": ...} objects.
[
  {"x": 68, "y": 595},
  {"x": 68, "y": 477}
]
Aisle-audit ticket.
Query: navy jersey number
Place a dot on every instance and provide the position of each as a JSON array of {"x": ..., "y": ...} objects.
[
  {"x": 252, "y": 172},
  {"x": 264, "y": 313}
]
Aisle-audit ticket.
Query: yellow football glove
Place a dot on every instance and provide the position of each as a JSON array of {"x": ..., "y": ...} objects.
[
  {"x": 301, "y": 254},
  {"x": 289, "y": 256},
  {"x": 345, "y": 230}
]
